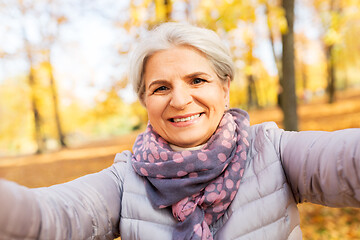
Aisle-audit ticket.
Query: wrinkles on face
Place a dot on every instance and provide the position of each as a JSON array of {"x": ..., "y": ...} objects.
[{"x": 184, "y": 97}]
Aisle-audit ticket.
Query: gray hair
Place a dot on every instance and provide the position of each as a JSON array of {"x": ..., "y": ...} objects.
[{"x": 172, "y": 34}]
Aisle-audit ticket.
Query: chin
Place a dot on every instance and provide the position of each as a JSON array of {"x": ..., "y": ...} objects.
[
  {"x": 183, "y": 144},
  {"x": 188, "y": 143}
]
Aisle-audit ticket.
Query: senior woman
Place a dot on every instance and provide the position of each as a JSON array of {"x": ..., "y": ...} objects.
[{"x": 199, "y": 171}]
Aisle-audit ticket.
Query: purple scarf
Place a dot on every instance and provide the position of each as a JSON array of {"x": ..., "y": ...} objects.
[{"x": 199, "y": 185}]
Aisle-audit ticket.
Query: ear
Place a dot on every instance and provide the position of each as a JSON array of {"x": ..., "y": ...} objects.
[
  {"x": 226, "y": 88},
  {"x": 142, "y": 99}
]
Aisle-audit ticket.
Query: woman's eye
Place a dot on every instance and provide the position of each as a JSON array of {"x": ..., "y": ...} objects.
[
  {"x": 198, "y": 80},
  {"x": 160, "y": 89}
]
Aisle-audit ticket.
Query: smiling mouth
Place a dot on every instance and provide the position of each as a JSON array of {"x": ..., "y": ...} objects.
[{"x": 176, "y": 120}]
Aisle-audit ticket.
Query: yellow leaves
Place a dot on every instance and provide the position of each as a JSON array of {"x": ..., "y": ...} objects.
[
  {"x": 332, "y": 37},
  {"x": 336, "y": 20},
  {"x": 318, "y": 222},
  {"x": 227, "y": 13},
  {"x": 280, "y": 19},
  {"x": 148, "y": 13},
  {"x": 137, "y": 15},
  {"x": 15, "y": 124},
  {"x": 333, "y": 22},
  {"x": 283, "y": 26},
  {"x": 247, "y": 11},
  {"x": 248, "y": 70},
  {"x": 238, "y": 10},
  {"x": 162, "y": 10},
  {"x": 228, "y": 25},
  {"x": 207, "y": 4},
  {"x": 140, "y": 117},
  {"x": 333, "y": 18},
  {"x": 108, "y": 103},
  {"x": 276, "y": 18},
  {"x": 146, "y": 3}
]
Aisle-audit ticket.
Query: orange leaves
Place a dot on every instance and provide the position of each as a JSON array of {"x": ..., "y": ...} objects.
[
  {"x": 61, "y": 19},
  {"x": 319, "y": 222}
]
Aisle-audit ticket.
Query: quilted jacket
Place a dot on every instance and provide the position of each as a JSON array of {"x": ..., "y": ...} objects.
[{"x": 283, "y": 169}]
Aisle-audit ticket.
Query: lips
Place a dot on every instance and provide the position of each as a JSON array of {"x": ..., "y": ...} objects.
[{"x": 185, "y": 119}]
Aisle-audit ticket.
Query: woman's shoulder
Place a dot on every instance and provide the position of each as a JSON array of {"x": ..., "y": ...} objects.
[
  {"x": 124, "y": 156},
  {"x": 122, "y": 164},
  {"x": 265, "y": 129},
  {"x": 264, "y": 125},
  {"x": 265, "y": 134}
]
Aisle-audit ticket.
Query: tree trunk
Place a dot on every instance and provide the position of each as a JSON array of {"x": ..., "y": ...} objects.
[
  {"x": 35, "y": 108},
  {"x": 331, "y": 74},
  {"x": 304, "y": 76},
  {"x": 277, "y": 60},
  {"x": 54, "y": 94},
  {"x": 288, "y": 95},
  {"x": 252, "y": 93}
]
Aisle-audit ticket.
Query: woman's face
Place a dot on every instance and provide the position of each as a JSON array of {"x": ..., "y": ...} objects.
[{"x": 184, "y": 97}]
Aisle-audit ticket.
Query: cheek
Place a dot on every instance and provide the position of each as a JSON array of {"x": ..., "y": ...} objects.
[
  {"x": 154, "y": 109},
  {"x": 215, "y": 99}
]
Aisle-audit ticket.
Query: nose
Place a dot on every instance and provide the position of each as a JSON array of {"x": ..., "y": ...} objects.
[{"x": 181, "y": 97}]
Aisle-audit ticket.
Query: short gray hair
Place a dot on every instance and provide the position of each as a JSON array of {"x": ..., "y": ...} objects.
[{"x": 171, "y": 34}]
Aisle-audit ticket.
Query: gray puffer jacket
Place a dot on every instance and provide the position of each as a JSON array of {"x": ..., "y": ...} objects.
[{"x": 283, "y": 169}]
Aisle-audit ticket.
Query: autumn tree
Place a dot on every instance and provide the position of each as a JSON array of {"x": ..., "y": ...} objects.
[
  {"x": 36, "y": 25},
  {"x": 50, "y": 33},
  {"x": 25, "y": 9},
  {"x": 332, "y": 26},
  {"x": 348, "y": 52},
  {"x": 249, "y": 59},
  {"x": 48, "y": 23},
  {"x": 288, "y": 95},
  {"x": 301, "y": 50},
  {"x": 337, "y": 19},
  {"x": 228, "y": 16},
  {"x": 276, "y": 24}
]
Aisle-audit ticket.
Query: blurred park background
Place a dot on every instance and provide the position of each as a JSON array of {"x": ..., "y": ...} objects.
[{"x": 66, "y": 105}]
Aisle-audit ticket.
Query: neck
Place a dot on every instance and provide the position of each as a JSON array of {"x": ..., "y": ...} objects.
[{"x": 179, "y": 149}]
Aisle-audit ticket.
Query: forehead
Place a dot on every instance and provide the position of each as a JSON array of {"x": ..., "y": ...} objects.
[{"x": 177, "y": 60}]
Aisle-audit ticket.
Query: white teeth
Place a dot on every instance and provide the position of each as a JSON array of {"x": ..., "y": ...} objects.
[{"x": 186, "y": 119}]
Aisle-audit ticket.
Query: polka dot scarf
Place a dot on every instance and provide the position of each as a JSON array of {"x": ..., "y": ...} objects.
[{"x": 199, "y": 185}]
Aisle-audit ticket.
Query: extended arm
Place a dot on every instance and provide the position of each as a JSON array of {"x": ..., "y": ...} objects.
[
  {"x": 85, "y": 208},
  {"x": 19, "y": 212},
  {"x": 323, "y": 167}
]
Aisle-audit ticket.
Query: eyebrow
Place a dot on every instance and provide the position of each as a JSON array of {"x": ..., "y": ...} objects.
[
  {"x": 157, "y": 82},
  {"x": 195, "y": 74}
]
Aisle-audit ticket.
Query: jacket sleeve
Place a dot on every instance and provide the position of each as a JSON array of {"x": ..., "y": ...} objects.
[
  {"x": 323, "y": 167},
  {"x": 86, "y": 208}
]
